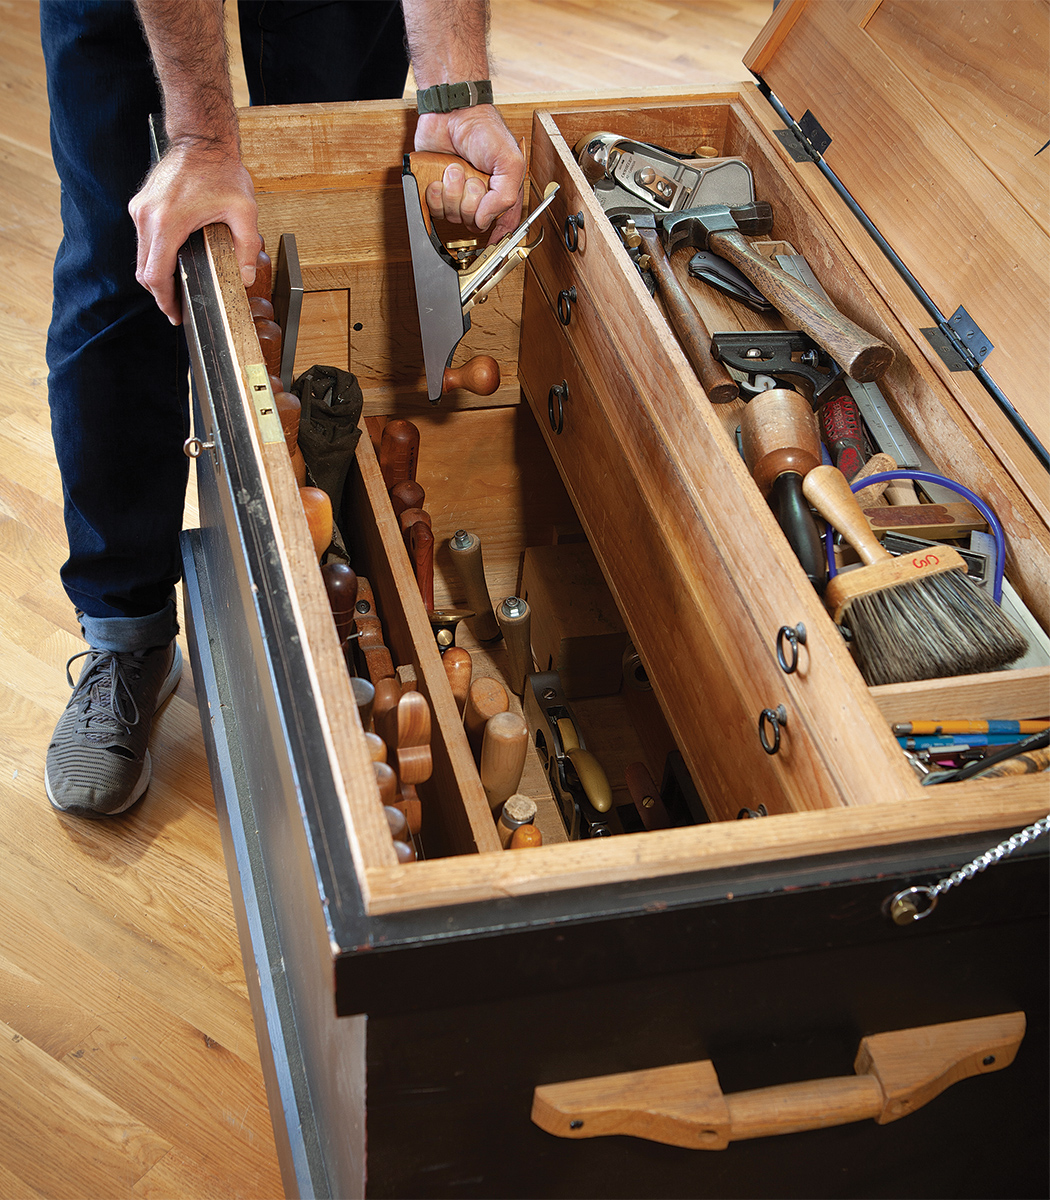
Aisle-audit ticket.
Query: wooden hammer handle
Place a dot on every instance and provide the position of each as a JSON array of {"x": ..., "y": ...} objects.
[
  {"x": 696, "y": 341},
  {"x": 860, "y": 354}
]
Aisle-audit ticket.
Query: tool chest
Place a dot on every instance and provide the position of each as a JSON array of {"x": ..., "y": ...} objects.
[{"x": 407, "y": 1012}]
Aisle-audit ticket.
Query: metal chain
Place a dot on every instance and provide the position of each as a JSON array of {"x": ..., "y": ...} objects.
[{"x": 904, "y": 906}]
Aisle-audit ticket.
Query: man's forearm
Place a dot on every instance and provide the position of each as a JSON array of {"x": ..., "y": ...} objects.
[
  {"x": 447, "y": 40},
  {"x": 187, "y": 40}
]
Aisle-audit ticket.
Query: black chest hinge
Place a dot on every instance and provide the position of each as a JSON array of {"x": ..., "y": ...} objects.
[
  {"x": 804, "y": 140},
  {"x": 959, "y": 341}
]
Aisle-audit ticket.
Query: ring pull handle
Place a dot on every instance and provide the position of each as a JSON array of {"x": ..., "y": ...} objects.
[
  {"x": 566, "y": 299},
  {"x": 794, "y": 636},
  {"x": 573, "y": 225},
  {"x": 774, "y": 718},
  {"x": 556, "y": 398},
  {"x": 193, "y": 447}
]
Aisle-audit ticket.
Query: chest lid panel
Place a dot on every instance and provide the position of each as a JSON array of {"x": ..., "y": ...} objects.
[{"x": 936, "y": 114}]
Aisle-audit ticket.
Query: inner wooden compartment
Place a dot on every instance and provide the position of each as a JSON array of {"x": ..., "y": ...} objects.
[{"x": 486, "y": 469}]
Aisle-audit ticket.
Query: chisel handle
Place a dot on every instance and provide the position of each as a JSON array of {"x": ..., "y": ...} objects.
[
  {"x": 860, "y": 354},
  {"x": 504, "y": 744},
  {"x": 714, "y": 378},
  {"x": 398, "y": 452}
]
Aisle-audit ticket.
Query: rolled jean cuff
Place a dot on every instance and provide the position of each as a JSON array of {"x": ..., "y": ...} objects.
[{"x": 123, "y": 635}]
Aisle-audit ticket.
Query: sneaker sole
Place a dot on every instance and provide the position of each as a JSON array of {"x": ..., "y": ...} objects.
[{"x": 167, "y": 687}]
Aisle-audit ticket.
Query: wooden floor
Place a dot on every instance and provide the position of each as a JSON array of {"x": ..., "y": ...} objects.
[{"x": 128, "y": 1061}]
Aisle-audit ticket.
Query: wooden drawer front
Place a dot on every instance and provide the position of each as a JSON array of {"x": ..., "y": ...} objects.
[{"x": 685, "y": 625}]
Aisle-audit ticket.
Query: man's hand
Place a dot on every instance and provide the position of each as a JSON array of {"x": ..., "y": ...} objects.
[
  {"x": 478, "y": 135},
  {"x": 193, "y": 185}
]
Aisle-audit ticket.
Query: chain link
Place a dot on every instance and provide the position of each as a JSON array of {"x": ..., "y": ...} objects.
[{"x": 904, "y": 906}]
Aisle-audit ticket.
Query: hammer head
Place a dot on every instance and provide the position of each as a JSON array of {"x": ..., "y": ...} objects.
[{"x": 693, "y": 226}]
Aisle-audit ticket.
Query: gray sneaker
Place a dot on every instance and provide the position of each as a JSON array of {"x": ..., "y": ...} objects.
[{"x": 98, "y": 764}]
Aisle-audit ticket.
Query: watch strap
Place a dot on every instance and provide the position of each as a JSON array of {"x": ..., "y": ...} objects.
[{"x": 445, "y": 97}]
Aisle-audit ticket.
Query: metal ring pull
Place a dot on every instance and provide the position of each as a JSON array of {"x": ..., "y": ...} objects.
[
  {"x": 794, "y": 636},
  {"x": 904, "y": 906},
  {"x": 774, "y": 717},
  {"x": 573, "y": 225},
  {"x": 193, "y": 447},
  {"x": 559, "y": 393},
  {"x": 566, "y": 299}
]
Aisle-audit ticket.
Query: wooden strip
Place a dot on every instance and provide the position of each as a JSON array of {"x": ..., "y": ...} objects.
[
  {"x": 1003, "y": 695},
  {"x": 970, "y": 807}
]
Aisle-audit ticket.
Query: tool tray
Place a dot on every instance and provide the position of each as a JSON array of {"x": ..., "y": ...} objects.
[{"x": 647, "y": 468}]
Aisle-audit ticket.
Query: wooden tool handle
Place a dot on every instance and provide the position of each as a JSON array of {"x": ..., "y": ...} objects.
[
  {"x": 410, "y": 516},
  {"x": 479, "y": 376},
  {"x": 269, "y": 335},
  {"x": 860, "y": 354},
  {"x": 876, "y": 465},
  {"x": 828, "y": 491},
  {"x": 340, "y": 583},
  {"x": 318, "y": 508},
  {"x": 398, "y": 452},
  {"x": 485, "y": 698},
  {"x": 405, "y": 495},
  {"x": 459, "y": 667},
  {"x": 714, "y": 378},
  {"x": 504, "y": 744},
  {"x": 778, "y": 431},
  {"x": 428, "y": 166},
  {"x": 517, "y": 636},
  {"x": 683, "y": 1105},
  {"x": 421, "y": 551},
  {"x": 470, "y": 568}
]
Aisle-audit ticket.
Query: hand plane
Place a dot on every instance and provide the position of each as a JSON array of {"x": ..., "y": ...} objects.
[
  {"x": 447, "y": 291},
  {"x": 576, "y": 777}
]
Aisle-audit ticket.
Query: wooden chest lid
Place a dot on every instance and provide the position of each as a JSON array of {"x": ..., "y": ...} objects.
[{"x": 938, "y": 119}]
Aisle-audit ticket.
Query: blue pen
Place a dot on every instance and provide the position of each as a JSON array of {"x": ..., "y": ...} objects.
[{"x": 959, "y": 740}]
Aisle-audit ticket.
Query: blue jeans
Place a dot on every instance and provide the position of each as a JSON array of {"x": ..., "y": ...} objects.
[{"x": 118, "y": 371}]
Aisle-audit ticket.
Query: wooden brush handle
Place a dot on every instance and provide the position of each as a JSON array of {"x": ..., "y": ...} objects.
[
  {"x": 827, "y": 489},
  {"x": 860, "y": 354},
  {"x": 714, "y": 378}
]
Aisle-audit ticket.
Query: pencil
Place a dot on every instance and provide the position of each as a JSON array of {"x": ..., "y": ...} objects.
[{"x": 903, "y": 728}]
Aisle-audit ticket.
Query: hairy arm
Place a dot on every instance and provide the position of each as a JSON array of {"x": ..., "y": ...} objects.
[
  {"x": 200, "y": 179},
  {"x": 448, "y": 43}
]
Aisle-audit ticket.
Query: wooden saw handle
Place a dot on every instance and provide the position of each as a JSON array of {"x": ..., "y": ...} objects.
[
  {"x": 683, "y": 1105},
  {"x": 860, "y": 354}
]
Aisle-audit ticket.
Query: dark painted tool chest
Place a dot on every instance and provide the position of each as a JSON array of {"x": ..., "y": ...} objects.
[{"x": 407, "y": 1013}]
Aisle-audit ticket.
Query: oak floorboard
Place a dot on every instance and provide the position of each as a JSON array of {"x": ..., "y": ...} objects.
[{"x": 128, "y": 1060}]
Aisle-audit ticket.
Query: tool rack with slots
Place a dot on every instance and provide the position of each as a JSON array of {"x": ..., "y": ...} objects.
[{"x": 419, "y": 1005}]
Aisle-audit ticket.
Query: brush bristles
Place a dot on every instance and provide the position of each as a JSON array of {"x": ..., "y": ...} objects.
[{"x": 930, "y": 628}]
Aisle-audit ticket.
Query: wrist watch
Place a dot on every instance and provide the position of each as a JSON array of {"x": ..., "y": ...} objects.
[{"x": 445, "y": 97}]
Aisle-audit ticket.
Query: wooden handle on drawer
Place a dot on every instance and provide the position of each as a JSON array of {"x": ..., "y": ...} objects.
[
  {"x": 860, "y": 354},
  {"x": 479, "y": 376},
  {"x": 684, "y": 1105},
  {"x": 714, "y": 378}
]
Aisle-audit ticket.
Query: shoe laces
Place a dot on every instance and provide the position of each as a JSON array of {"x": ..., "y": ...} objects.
[{"x": 107, "y": 701}]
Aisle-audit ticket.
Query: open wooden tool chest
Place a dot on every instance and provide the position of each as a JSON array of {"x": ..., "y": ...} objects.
[{"x": 408, "y": 1012}]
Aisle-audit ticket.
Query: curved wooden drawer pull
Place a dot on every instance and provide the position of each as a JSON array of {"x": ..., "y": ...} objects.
[{"x": 684, "y": 1105}]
